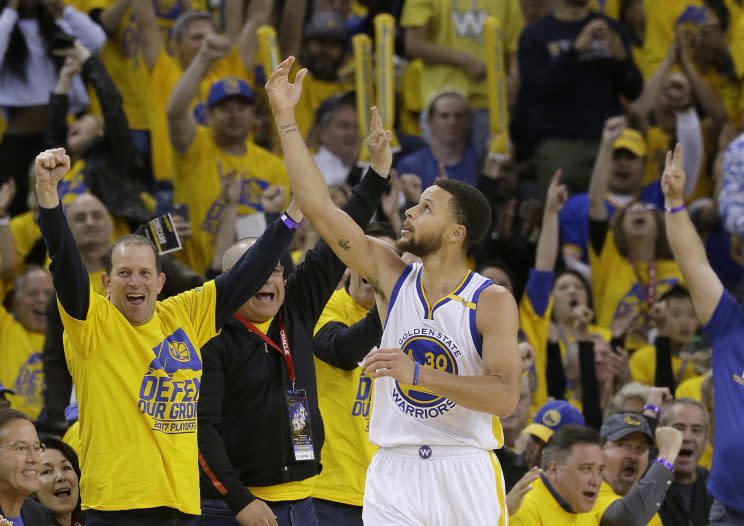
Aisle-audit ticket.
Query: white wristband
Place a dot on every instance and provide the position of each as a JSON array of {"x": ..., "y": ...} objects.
[{"x": 5, "y": 220}]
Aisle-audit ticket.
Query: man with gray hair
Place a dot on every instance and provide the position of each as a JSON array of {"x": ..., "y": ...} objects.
[{"x": 687, "y": 500}]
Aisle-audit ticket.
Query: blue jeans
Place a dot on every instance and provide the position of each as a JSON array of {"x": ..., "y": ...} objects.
[
  {"x": 337, "y": 514},
  {"x": 720, "y": 515},
  {"x": 151, "y": 517},
  {"x": 289, "y": 513}
]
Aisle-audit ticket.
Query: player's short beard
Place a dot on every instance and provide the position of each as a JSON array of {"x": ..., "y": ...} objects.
[{"x": 421, "y": 247}]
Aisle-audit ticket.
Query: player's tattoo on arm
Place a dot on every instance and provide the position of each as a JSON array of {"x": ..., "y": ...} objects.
[
  {"x": 289, "y": 128},
  {"x": 344, "y": 244}
]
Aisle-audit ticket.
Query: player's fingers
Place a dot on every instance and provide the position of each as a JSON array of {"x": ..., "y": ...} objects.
[
  {"x": 668, "y": 160},
  {"x": 300, "y": 77},
  {"x": 678, "y": 156},
  {"x": 556, "y": 178}
]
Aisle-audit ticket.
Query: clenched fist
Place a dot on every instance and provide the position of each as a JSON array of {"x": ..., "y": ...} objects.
[{"x": 50, "y": 167}]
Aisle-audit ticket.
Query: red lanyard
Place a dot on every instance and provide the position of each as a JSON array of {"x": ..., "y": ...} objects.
[
  {"x": 650, "y": 292},
  {"x": 284, "y": 350}
]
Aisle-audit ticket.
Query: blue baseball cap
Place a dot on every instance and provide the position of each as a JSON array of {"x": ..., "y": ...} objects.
[
  {"x": 228, "y": 87},
  {"x": 553, "y": 416}
]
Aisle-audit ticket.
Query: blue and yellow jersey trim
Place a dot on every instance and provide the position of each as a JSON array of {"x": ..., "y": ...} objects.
[{"x": 454, "y": 295}]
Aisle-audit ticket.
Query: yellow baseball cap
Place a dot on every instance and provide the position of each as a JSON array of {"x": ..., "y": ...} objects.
[{"x": 631, "y": 140}]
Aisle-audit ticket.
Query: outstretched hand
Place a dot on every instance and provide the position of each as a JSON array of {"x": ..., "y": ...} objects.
[
  {"x": 673, "y": 178},
  {"x": 557, "y": 194},
  {"x": 284, "y": 95},
  {"x": 378, "y": 144}
]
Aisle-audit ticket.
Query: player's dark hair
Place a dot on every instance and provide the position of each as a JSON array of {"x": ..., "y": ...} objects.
[
  {"x": 676, "y": 292},
  {"x": 559, "y": 447},
  {"x": 471, "y": 209},
  {"x": 131, "y": 239}
]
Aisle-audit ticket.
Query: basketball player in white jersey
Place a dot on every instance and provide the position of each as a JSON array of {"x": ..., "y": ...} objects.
[{"x": 449, "y": 358}]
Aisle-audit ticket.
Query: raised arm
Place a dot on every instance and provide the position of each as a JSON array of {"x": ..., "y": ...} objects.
[
  {"x": 181, "y": 122},
  {"x": 547, "y": 243},
  {"x": 496, "y": 391},
  {"x": 259, "y": 13},
  {"x": 70, "y": 278},
  {"x": 705, "y": 287},
  {"x": 371, "y": 258},
  {"x": 147, "y": 23},
  {"x": 111, "y": 17},
  {"x": 613, "y": 128},
  {"x": 83, "y": 28}
]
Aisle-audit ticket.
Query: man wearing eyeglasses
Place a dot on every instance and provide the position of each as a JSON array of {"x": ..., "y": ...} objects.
[{"x": 19, "y": 462}]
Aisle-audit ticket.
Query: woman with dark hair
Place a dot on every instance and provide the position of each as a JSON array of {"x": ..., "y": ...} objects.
[
  {"x": 573, "y": 357},
  {"x": 20, "y": 450},
  {"x": 59, "y": 478},
  {"x": 630, "y": 258},
  {"x": 32, "y": 33}
]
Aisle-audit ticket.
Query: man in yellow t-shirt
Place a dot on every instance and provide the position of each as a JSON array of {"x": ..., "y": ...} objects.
[
  {"x": 345, "y": 395},
  {"x": 448, "y": 36},
  {"x": 625, "y": 498},
  {"x": 136, "y": 362},
  {"x": 567, "y": 489},
  {"x": 21, "y": 339},
  {"x": 207, "y": 154}
]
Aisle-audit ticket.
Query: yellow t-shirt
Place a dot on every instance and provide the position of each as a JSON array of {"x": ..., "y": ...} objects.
[
  {"x": 21, "y": 367},
  {"x": 609, "y": 8},
  {"x": 617, "y": 290},
  {"x": 161, "y": 82},
  {"x": 459, "y": 25},
  {"x": 643, "y": 367},
  {"x": 72, "y": 439},
  {"x": 539, "y": 508},
  {"x": 606, "y": 497},
  {"x": 345, "y": 401},
  {"x": 691, "y": 388},
  {"x": 197, "y": 185},
  {"x": 137, "y": 389}
]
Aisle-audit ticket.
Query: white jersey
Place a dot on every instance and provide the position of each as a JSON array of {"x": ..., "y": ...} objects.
[{"x": 442, "y": 336}]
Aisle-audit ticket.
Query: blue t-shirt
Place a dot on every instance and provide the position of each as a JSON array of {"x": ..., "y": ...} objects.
[
  {"x": 422, "y": 163},
  {"x": 725, "y": 331},
  {"x": 16, "y": 521},
  {"x": 574, "y": 218}
]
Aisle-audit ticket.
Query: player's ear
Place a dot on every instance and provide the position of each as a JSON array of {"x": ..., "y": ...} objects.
[
  {"x": 106, "y": 282},
  {"x": 458, "y": 233}
]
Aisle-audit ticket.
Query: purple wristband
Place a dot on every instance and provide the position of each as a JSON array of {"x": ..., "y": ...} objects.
[
  {"x": 416, "y": 370},
  {"x": 651, "y": 407},
  {"x": 675, "y": 209},
  {"x": 665, "y": 463},
  {"x": 289, "y": 222}
]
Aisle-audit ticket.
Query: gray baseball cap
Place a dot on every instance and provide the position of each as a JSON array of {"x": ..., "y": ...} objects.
[{"x": 621, "y": 425}]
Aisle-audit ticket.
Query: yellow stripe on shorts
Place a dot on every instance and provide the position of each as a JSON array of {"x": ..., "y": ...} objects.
[{"x": 500, "y": 493}]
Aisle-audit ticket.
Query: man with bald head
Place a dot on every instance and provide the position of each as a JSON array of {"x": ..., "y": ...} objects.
[{"x": 260, "y": 429}]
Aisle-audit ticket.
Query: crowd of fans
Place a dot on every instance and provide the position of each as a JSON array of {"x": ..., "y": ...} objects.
[{"x": 161, "y": 108}]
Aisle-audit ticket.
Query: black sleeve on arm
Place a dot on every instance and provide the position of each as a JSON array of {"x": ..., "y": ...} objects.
[
  {"x": 318, "y": 276},
  {"x": 598, "y": 234},
  {"x": 664, "y": 375},
  {"x": 344, "y": 347},
  {"x": 70, "y": 278},
  {"x": 55, "y": 133},
  {"x": 555, "y": 376},
  {"x": 589, "y": 385},
  {"x": 213, "y": 459},
  {"x": 251, "y": 271},
  {"x": 642, "y": 502},
  {"x": 116, "y": 127},
  {"x": 56, "y": 375}
]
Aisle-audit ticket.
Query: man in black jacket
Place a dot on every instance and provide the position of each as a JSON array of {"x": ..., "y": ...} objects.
[
  {"x": 687, "y": 501},
  {"x": 260, "y": 430}
]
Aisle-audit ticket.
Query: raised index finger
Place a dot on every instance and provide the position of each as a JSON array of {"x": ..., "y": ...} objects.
[{"x": 677, "y": 159}]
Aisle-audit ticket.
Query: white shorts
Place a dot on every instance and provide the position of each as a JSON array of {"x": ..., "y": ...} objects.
[{"x": 434, "y": 486}]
